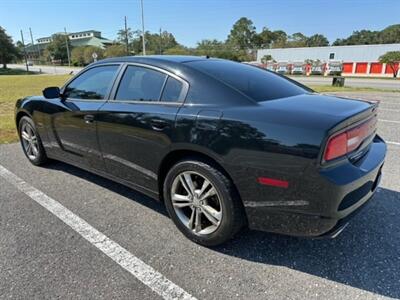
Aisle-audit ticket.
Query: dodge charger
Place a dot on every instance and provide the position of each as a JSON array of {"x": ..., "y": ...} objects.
[{"x": 223, "y": 145}]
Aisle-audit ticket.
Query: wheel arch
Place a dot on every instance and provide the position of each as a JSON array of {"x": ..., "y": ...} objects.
[
  {"x": 180, "y": 154},
  {"x": 19, "y": 115}
]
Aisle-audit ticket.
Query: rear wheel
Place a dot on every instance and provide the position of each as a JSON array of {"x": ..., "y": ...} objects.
[
  {"x": 31, "y": 142},
  {"x": 202, "y": 202}
]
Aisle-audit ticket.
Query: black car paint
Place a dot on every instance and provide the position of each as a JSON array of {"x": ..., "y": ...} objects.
[{"x": 283, "y": 139}]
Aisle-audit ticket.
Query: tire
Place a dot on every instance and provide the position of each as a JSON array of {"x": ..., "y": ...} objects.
[
  {"x": 26, "y": 126},
  {"x": 227, "y": 213}
]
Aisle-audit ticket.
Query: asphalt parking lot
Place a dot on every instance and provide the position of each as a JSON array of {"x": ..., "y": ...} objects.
[{"x": 42, "y": 256}]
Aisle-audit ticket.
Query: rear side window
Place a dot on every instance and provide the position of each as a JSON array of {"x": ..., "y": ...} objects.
[
  {"x": 92, "y": 84},
  {"x": 256, "y": 83},
  {"x": 141, "y": 84},
  {"x": 172, "y": 90}
]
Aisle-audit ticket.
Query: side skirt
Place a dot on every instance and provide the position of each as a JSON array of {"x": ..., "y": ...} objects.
[{"x": 132, "y": 185}]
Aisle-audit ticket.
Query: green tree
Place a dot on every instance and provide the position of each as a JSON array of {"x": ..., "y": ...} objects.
[
  {"x": 242, "y": 35},
  {"x": 362, "y": 37},
  {"x": 160, "y": 42},
  {"x": 178, "y": 50},
  {"x": 82, "y": 56},
  {"x": 77, "y": 56},
  {"x": 88, "y": 53},
  {"x": 266, "y": 58},
  {"x": 264, "y": 39},
  {"x": 390, "y": 35},
  {"x": 392, "y": 59},
  {"x": 215, "y": 48},
  {"x": 8, "y": 51},
  {"x": 279, "y": 39},
  {"x": 115, "y": 50},
  {"x": 297, "y": 40},
  {"x": 317, "y": 40},
  {"x": 155, "y": 43},
  {"x": 57, "y": 48},
  {"x": 126, "y": 37}
]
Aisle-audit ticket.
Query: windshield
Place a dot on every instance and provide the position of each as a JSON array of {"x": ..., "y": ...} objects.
[{"x": 256, "y": 83}]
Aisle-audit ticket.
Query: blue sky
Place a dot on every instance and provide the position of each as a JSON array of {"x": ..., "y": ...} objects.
[{"x": 193, "y": 20}]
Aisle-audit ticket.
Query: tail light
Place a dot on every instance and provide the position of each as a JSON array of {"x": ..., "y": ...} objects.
[{"x": 340, "y": 144}]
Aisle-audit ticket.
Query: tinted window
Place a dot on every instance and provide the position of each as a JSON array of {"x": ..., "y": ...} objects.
[
  {"x": 93, "y": 84},
  {"x": 141, "y": 84},
  {"x": 258, "y": 84},
  {"x": 172, "y": 90}
]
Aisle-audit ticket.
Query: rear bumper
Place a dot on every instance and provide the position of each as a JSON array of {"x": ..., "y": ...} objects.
[{"x": 325, "y": 200}]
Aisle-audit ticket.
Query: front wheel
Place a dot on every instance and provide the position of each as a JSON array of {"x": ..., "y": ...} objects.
[
  {"x": 31, "y": 142},
  {"x": 202, "y": 202}
]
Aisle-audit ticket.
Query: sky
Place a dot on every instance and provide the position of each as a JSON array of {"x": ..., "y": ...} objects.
[{"x": 193, "y": 20}]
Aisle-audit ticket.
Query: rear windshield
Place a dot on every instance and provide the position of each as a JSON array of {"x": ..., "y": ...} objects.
[{"x": 256, "y": 83}]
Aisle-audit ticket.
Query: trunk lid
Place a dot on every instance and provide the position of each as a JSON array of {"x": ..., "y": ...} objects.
[{"x": 326, "y": 112}]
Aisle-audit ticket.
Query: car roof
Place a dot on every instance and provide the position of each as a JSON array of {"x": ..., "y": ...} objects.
[{"x": 155, "y": 59}]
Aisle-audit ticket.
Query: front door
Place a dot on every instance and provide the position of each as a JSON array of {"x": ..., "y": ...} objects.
[
  {"x": 74, "y": 128},
  {"x": 135, "y": 129}
]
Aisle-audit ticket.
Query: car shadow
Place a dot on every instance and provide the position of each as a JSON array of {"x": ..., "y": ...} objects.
[
  {"x": 366, "y": 255},
  {"x": 110, "y": 185}
]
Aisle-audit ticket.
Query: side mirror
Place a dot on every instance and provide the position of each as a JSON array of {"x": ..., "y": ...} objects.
[{"x": 51, "y": 92}]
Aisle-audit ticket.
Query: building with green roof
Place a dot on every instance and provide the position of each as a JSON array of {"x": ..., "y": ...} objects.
[{"x": 77, "y": 39}]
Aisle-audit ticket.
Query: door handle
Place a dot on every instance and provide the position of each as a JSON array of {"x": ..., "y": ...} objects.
[
  {"x": 158, "y": 125},
  {"x": 88, "y": 119}
]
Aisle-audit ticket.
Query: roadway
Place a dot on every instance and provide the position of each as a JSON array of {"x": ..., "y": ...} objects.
[{"x": 388, "y": 83}]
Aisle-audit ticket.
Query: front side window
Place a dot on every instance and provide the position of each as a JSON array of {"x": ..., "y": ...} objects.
[
  {"x": 141, "y": 84},
  {"x": 92, "y": 84}
]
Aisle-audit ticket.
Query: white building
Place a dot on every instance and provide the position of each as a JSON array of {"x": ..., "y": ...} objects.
[{"x": 360, "y": 60}]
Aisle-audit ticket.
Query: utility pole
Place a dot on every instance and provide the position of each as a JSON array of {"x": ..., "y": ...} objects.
[
  {"x": 160, "y": 42},
  {"x": 143, "y": 33},
  {"x": 66, "y": 43},
  {"x": 26, "y": 59},
  {"x": 33, "y": 43},
  {"x": 126, "y": 38}
]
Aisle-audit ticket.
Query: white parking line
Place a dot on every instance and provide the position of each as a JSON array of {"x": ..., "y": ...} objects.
[
  {"x": 143, "y": 272},
  {"x": 389, "y": 102},
  {"x": 392, "y": 143},
  {"x": 389, "y": 121},
  {"x": 389, "y": 109}
]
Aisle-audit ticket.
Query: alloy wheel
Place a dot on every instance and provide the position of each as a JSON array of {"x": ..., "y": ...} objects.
[
  {"x": 196, "y": 202},
  {"x": 29, "y": 141}
]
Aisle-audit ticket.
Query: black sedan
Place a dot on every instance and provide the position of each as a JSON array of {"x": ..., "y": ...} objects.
[{"x": 223, "y": 144}]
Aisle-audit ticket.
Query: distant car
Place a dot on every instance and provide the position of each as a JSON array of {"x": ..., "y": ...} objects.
[
  {"x": 223, "y": 144},
  {"x": 316, "y": 70},
  {"x": 282, "y": 70},
  {"x": 297, "y": 71},
  {"x": 334, "y": 70}
]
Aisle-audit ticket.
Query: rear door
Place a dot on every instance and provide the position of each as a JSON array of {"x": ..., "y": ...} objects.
[
  {"x": 136, "y": 127},
  {"x": 74, "y": 128}
]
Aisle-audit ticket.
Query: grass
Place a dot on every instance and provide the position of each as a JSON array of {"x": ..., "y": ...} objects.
[
  {"x": 13, "y": 87},
  {"x": 14, "y": 72}
]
